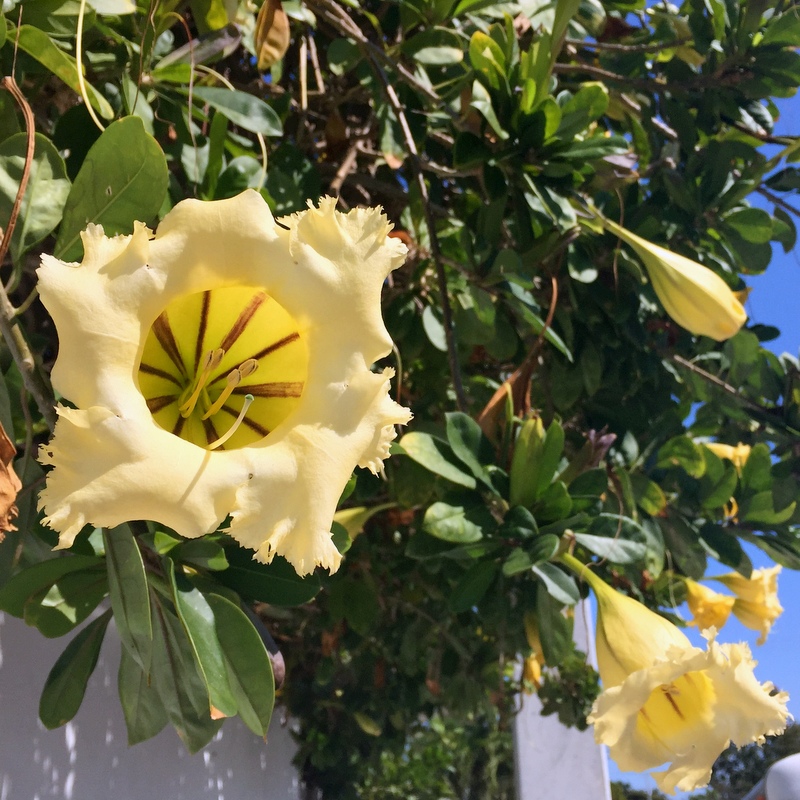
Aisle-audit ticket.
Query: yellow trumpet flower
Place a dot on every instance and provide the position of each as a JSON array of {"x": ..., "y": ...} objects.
[
  {"x": 221, "y": 368},
  {"x": 756, "y": 604},
  {"x": 668, "y": 702},
  {"x": 709, "y": 609},
  {"x": 737, "y": 454},
  {"x": 693, "y": 295}
]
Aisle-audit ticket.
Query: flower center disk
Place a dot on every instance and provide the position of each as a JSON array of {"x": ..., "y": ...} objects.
[{"x": 207, "y": 352}]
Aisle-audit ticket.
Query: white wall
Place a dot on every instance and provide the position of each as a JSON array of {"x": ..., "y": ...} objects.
[{"x": 89, "y": 759}]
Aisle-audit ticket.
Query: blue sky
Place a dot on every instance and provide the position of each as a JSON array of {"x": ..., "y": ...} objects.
[{"x": 774, "y": 301}]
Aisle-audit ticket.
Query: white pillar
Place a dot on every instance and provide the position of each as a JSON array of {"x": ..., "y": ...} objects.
[
  {"x": 552, "y": 761},
  {"x": 89, "y": 758}
]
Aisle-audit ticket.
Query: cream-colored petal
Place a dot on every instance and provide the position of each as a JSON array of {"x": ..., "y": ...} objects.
[
  {"x": 739, "y": 709},
  {"x": 709, "y": 609},
  {"x": 111, "y": 469}
]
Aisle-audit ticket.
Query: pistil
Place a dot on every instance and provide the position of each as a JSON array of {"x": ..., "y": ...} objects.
[
  {"x": 248, "y": 399},
  {"x": 211, "y": 361}
]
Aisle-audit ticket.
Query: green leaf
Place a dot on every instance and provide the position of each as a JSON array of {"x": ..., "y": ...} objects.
[
  {"x": 177, "y": 679},
  {"x": 584, "y": 107},
  {"x": 198, "y": 621},
  {"x": 57, "y": 609},
  {"x": 38, "y": 577},
  {"x": 472, "y": 586},
  {"x": 130, "y": 597},
  {"x": 436, "y": 456},
  {"x": 39, "y": 45},
  {"x": 482, "y": 102},
  {"x": 487, "y": 59},
  {"x": 649, "y": 495},
  {"x": 435, "y": 47},
  {"x": 550, "y": 457},
  {"x": 203, "y": 553},
  {"x": 617, "y": 551},
  {"x": 142, "y": 707},
  {"x": 752, "y": 224},
  {"x": 45, "y": 195},
  {"x": 460, "y": 523},
  {"x": 248, "y": 664},
  {"x": 469, "y": 445},
  {"x": 757, "y": 470},
  {"x": 540, "y": 550},
  {"x": 242, "y": 109},
  {"x": 66, "y": 684},
  {"x": 356, "y": 601},
  {"x": 560, "y": 586},
  {"x": 760, "y": 508},
  {"x": 555, "y": 628},
  {"x": 123, "y": 179},
  {"x": 682, "y": 452},
  {"x": 276, "y": 583}
]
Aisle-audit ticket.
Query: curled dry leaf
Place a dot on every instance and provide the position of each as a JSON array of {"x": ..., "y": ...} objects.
[
  {"x": 272, "y": 34},
  {"x": 10, "y": 484}
]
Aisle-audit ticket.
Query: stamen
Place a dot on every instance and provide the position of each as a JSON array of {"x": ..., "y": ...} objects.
[
  {"x": 248, "y": 399},
  {"x": 211, "y": 361},
  {"x": 235, "y": 377}
]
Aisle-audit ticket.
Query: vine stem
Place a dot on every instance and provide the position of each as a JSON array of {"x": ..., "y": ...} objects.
[{"x": 12, "y": 333}]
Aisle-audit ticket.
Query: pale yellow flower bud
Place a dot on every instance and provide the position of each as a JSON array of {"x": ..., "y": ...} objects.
[{"x": 693, "y": 295}]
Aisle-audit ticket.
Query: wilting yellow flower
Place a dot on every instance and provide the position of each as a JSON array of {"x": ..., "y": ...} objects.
[
  {"x": 667, "y": 702},
  {"x": 756, "y": 605},
  {"x": 221, "y": 368},
  {"x": 694, "y": 296},
  {"x": 709, "y": 609},
  {"x": 737, "y": 454}
]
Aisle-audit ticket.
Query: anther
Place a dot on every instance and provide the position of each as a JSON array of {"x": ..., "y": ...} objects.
[
  {"x": 248, "y": 399},
  {"x": 235, "y": 377},
  {"x": 212, "y": 360}
]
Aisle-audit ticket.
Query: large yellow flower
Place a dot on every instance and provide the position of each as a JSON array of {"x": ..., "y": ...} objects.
[
  {"x": 693, "y": 295},
  {"x": 756, "y": 605},
  {"x": 709, "y": 609},
  {"x": 667, "y": 702},
  {"x": 221, "y": 368}
]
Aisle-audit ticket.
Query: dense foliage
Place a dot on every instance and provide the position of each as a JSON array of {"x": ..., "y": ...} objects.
[{"x": 496, "y": 136}]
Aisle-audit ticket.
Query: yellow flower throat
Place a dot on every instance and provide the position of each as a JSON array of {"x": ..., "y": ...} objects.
[{"x": 224, "y": 361}]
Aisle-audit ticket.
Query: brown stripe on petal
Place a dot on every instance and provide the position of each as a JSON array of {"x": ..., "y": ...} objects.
[
  {"x": 273, "y": 389},
  {"x": 292, "y": 337},
  {"x": 211, "y": 432},
  {"x": 155, "y": 404},
  {"x": 160, "y": 373},
  {"x": 181, "y": 421},
  {"x": 252, "y": 424},
  {"x": 243, "y": 320},
  {"x": 166, "y": 338},
  {"x": 674, "y": 704},
  {"x": 201, "y": 330}
]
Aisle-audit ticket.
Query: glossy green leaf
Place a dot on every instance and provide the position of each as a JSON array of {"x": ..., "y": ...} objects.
[
  {"x": 436, "y": 456},
  {"x": 57, "y": 609},
  {"x": 66, "y": 684},
  {"x": 177, "y": 679},
  {"x": 752, "y": 224},
  {"x": 472, "y": 586},
  {"x": 469, "y": 445},
  {"x": 39, "y": 577},
  {"x": 242, "y": 109},
  {"x": 482, "y": 102},
  {"x": 761, "y": 509},
  {"x": 123, "y": 179},
  {"x": 560, "y": 586},
  {"x": 203, "y": 553},
  {"x": 682, "y": 452},
  {"x": 130, "y": 597},
  {"x": 617, "y": 551},
  {"x": 45, "y": 194},
  {"x": 555, "y": 628},
  {"x": 142, "y": 707},
  {"x": 248, "y": 666},
  {"x": 198, "y": 620},
  {"x": 276, "y": 583},
  {"x": 459, "y": 522},
  {"x": 37, "y": 44}
]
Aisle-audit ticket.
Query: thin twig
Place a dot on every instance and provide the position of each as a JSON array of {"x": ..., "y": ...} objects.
[
  {"x": 12, "y": 333},
  {"x": 644, "y": 47},
  {"x": 312, "y": 51},
  {"x": 765, "y": 137},
  {"x": 781, "y": 203},
  {"x": 345, "y": 167},
  {"x": 430, "y": 223}
]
